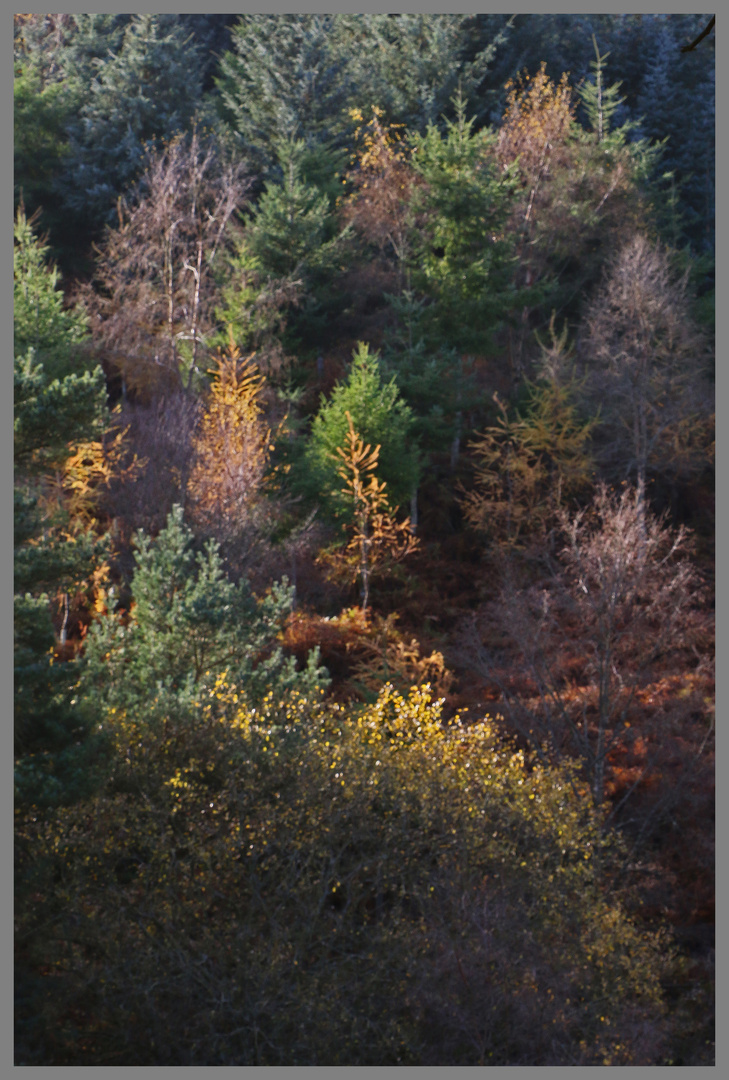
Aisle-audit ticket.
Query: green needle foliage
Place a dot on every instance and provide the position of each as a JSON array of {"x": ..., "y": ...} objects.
[
  {"x": 280, "y": 283},
  {"x": 142, "y": 94},
  {"x": 437, "y": 384},
  {"x": 57, "y": 750},
  {"x": 188, "y": 624},
  {"x": 380, "y": 417},
  {"x": 281, "y": 80},
  {"x": 56, "y": 333},
  {"x": 41, "y": 115},
  {"x": 462, "y": 259},
  {"x": 599, "y": 101}
]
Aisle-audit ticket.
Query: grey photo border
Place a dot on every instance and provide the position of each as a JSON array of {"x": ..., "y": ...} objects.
[{"x": 6, "y": 457}]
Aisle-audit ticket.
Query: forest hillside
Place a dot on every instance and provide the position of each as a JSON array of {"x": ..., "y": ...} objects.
[{"x": 364, "y": 539}]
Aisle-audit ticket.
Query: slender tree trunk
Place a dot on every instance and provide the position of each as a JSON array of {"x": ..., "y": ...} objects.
[
  {"x": 196, "y": 308},
  {"x": 64, "y": 626},
  {"x": 170, "y": 297},
  {"x": 414, "y": 510},
  {"x": 364, "y": 564}
]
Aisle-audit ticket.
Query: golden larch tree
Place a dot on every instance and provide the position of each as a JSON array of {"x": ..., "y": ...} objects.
[
  {"x": 231, "y": 451},
  {"x": 377, "y": 541}
]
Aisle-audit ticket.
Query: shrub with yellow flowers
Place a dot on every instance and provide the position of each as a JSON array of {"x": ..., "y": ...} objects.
[{"x": 312, "y": 883}]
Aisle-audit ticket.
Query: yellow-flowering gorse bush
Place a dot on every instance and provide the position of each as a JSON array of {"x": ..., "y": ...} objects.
[{"x": 310, "y": 883}]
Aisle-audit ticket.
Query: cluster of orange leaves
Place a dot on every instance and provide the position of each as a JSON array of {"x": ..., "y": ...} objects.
[
  {"x": 365, "y": 653},
  {"x": 75, "y": 495}
]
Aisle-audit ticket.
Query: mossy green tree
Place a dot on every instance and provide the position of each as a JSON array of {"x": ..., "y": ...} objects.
[
  {"x": 380, "y": 417},
  {"x": 187, "y": 625},
  {"x": 41, "y": 113}
]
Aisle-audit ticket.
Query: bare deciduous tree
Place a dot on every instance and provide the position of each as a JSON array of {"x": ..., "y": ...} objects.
[
  {"x": 647, "y": 366},
  {"x": 622, "y": 593},
  {"x": 155, "y": 292},
  {"x": 381, "y": 184}
]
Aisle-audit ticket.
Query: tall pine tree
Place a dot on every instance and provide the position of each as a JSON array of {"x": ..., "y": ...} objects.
[{"x": 281, "y": 284}]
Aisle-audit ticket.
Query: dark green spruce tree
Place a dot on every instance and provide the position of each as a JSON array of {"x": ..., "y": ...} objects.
[
  {"x": 281, "y": 80},
  {"x": 58, "y": 752},
  {"x": 282, "y": 283},
  {"x": 461, "y": 257},
  {"x": 412, "y": 65},
  {"x": 145, "y": 93}
]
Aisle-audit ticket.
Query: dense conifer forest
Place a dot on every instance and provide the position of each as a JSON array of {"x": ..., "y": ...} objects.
[{"x": 364, "y": 539}]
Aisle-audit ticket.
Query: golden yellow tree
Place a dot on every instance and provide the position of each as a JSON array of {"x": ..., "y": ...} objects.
[
  {"x": 77, "y": 498},
  {"x": 377, "y": 540},
  {"x": 231, "y": 451},
  {"x": 79, "y": 488}
]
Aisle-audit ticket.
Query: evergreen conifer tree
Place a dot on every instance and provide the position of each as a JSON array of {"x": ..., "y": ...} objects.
[
  {"x": 600, "y": 101},
  {"x": 143, "y": 94},
  {"x": 280, "y": 81},
  {"x": 57, "y": 334},
  {"x": 281, "y": 281},
  {"x": 42, "y": 113},
  {"x": 676, "y": 105},
  {"x": 434, "y": 382},
  {"x": 461, "y": 257},
  {"x": 189, "y": 624},
  {"x": 380, "y": 417},
  {"x": 56, "y": 746},
  {"x": 292, "y": 229},
  {"x": 412, "y": 65},
  {"x": 58, "y": 750}
]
